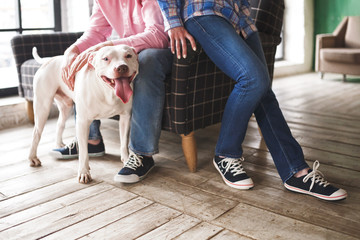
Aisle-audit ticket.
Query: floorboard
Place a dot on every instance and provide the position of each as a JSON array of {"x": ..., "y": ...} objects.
[{"x": 172, "y": 203}]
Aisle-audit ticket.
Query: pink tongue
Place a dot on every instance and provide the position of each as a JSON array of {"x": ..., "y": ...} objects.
[{"x": 123, "y": 89}]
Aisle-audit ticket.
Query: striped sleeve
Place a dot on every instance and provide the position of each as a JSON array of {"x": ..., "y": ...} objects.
[{"x": 170, "y": 10}]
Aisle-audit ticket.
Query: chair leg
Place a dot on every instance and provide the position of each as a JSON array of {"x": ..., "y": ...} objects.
[
  {"x": 190, "y": 150},
  {"x": 344, "y": 78},
  {"x": 260, "y": 132},
  {"x": 30, "y": 110}
]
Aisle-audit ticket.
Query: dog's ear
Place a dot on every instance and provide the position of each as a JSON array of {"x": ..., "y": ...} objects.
[
  {"x": 91, "y": 60},
  {"x": 134, "y": 51}
]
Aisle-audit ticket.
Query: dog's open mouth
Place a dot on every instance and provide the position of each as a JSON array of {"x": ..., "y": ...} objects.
[{"x": 121, "y": 86}]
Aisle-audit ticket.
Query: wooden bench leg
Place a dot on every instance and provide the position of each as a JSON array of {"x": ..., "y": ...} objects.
[
  {"x": 189, "y": 149},
  {"x": 260, "y": 132},
  {"x": 30, "y": 110}
]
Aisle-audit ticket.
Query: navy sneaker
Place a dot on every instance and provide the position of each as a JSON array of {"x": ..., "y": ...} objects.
[
  {"x": 233, "y": 173},
  {"x": 71, "y": 151},
  {"x": 315, "y": 185},
  {"x": 135, "y": 169}
]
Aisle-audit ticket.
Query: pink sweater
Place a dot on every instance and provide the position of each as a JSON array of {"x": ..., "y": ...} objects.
[{"x": 139, "y": 24}]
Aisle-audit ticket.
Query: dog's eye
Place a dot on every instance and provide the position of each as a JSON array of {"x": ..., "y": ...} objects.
[
  {"x": 106, "y": 59},
  {"x": 128, "y": 56}
]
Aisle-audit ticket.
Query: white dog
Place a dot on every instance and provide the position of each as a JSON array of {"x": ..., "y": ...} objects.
[{"x": 103, "y": 88}]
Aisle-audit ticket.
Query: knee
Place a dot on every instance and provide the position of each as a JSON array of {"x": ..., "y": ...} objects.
[
  {"x": 261, "y": 81},
  {"x": 154, "y": 65},
  {"x": 152, "y": 58},
  {"x": 147, "y": 56}
]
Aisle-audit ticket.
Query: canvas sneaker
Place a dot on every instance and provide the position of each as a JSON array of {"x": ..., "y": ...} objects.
[
  {"x": 135, "y": 169},
  {"x": 233, "y": 173},
  {"x": 315, "y": 185},
  {"x": 72, "y": 150}
]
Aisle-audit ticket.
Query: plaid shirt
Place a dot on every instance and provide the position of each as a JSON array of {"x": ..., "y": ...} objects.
[{"x": 237, "y": 12}]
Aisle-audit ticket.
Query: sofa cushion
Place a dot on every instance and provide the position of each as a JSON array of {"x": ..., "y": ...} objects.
[
  {"x": 352, "y": 35},
  {"x": 343, "y": 55},
  {"x": 28, "y": 70}
]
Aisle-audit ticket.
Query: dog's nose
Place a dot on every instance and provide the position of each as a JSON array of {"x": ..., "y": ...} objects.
[{"x": 122, "y": 68}]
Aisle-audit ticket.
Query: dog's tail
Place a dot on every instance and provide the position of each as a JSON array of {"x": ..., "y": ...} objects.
[{"x": 37, "y": 57}]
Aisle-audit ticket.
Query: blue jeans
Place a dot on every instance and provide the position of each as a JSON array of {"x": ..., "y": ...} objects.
[
  {"x": 244, "y": 61},
  {"x": 94, "y": 132},
  {"x": 148, "y": 102}
]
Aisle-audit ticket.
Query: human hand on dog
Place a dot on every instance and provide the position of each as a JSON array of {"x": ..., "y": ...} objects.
[
  {"x": 178, "y": 36},
  {"x": 69, "y": 57},
  {"x": 74, "y": 61}
]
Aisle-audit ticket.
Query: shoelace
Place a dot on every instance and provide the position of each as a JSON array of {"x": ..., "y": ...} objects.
[
  {"x": 316, "y": 176},
  {"x": 134, "y": 161},
  {"x": 233, "y": 164},
  {"x": 72, "y": 145}
]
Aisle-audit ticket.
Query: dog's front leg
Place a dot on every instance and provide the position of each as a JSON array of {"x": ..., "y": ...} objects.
[
  {"x": 124, "y": 129},
  {"x": 82, "y": 133}
]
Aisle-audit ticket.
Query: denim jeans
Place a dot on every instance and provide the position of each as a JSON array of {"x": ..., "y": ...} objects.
[
  {"x": 94, "y": 132},
  {"x": 244, "y": 61},
  {"x": 148, "y": 102}
]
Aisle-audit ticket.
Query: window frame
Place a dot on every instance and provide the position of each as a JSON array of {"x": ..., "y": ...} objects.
[{"x": 20, "y": 30}]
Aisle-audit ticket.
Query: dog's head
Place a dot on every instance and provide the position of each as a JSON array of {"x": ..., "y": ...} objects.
[{"x": 117, "y": 66}]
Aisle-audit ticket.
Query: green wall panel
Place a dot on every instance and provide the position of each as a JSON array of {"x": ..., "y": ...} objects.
[{"x": 329, "y": 13}]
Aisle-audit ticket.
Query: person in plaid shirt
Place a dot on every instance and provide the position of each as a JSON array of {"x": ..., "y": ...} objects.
[{"x": 227, "y": 34}]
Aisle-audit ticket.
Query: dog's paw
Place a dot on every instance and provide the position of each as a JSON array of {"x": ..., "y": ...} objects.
[
  {"x": 34, "y": 162},
  {"x": 84, "y": 177}
]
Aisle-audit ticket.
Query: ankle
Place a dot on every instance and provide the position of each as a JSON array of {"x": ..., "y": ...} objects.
[
  {"x": 301, "y": 173},
  {"x": 94, "y": 142}
]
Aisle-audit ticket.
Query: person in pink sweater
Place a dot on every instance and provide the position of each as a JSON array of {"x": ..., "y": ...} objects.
[{"x": 139, "y": 24}]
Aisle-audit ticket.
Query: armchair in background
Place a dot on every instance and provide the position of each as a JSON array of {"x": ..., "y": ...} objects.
[{"x": 339, "y": 52}]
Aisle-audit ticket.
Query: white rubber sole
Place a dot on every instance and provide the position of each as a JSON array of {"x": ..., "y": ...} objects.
[
  {"x": 58, "y": 155},
  {"x": 243, "y": 184},
  {"x": 338, "y": 195},
  {"x": 133, "y": 178}
]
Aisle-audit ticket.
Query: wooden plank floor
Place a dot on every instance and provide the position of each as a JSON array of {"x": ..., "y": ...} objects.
[{"x": 171, "y": 203}]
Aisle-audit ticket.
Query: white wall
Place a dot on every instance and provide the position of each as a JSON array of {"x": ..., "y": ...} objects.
[
  {"x": 75, "y": 15},
  {"x": 298, "y": 38}
]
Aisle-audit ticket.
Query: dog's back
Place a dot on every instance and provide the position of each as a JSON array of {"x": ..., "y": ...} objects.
[{"x": 47, "y": 79}]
